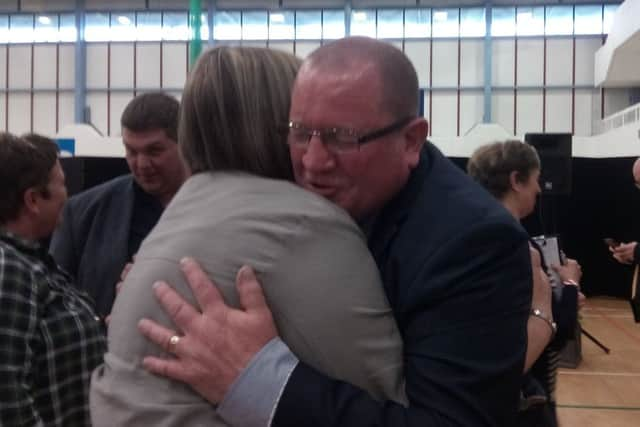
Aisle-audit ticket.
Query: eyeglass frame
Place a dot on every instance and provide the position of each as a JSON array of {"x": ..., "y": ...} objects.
[{"x": 359, "y": 139}]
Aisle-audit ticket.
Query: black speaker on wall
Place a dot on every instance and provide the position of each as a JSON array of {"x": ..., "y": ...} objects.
[
  {"x": 554, "y": 150},
  {"x": 86, "y": 172}
]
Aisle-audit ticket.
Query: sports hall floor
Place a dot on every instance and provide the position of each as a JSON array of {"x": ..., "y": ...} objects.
[{"x": 604, "y": 391}]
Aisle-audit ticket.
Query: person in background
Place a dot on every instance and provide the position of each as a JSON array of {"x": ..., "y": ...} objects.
[
  {"x": 456, "y": 268},
  {"x": 240, "y": 206},
  {"x": 510, "y": 171},
  {"x": 628, "y": 252},
  {"x": 104, "y": 226},
  {"x": 50, "y": 335}
]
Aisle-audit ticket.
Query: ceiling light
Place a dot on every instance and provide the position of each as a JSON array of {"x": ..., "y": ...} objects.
[
  {"x": 124, "y": 20},
  {"x": 277, "y": 17},
  {"x": 440, "y": 15},
  {"x": 359, "y": 16},
  {"x": 44, "y": 20}
]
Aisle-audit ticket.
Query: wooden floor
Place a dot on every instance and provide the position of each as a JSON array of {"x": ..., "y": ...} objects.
[{"x": 604, "y": 391}]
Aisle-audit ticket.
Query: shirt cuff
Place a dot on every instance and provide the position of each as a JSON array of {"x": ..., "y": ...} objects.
[{"x": 253, "y": 397}]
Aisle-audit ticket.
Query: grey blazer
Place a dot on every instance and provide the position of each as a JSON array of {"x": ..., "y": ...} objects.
[{"x": 318, "y": 276}]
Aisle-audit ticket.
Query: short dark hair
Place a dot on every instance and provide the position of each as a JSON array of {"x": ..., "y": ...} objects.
[
  {"x": 150, "y": 111},
  {"x": 491, "y": 165},
  {"x": 26, "y": 163}
]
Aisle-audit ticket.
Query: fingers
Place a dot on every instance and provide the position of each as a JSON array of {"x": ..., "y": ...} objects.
[
  {"x": 249, "y": 290},
  {"x": 205, "y": 291},
  {"x": 159, "y": 335},
  {"x": 171, "y": 368},
  {"x": 180, "y": 311}
]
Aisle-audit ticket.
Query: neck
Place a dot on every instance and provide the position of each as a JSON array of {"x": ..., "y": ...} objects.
[
  {"x": 23, "y": 228},
  {"x": 512, "y": 207}
]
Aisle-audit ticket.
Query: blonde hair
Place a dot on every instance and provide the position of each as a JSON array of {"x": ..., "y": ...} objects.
[{"x": 234, "y": 111}]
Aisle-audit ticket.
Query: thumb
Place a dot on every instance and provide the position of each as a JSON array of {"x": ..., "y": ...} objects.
[{"x": 250, "y": 290}]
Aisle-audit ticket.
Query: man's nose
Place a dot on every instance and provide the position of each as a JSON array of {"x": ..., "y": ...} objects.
[{"x": 317, "y": 157}]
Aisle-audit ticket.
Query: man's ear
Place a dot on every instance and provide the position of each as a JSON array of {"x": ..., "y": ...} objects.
[
  {"x": 30, "y": 200},
  {"x": 415, "y": 137}
]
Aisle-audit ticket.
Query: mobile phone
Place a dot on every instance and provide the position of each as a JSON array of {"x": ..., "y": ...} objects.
[{"x": 611, "y": 242}]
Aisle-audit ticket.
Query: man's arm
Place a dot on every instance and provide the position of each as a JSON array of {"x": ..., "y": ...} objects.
[
  {"x": 463, "y": 357},
  {"x": 18, "y": 325}
]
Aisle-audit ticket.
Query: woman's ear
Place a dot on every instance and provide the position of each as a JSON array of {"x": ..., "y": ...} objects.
[{"x": 514, "y": 182}]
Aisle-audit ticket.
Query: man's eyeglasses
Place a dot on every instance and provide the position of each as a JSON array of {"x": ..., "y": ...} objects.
[{"x": 340, "y": 140}]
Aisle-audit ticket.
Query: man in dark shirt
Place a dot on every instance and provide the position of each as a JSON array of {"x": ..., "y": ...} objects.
[
  {"x": 50, "y": 336},
  {"x": 104, "y": 226}
]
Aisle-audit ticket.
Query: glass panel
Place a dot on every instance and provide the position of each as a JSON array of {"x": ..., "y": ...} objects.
[
  {"x": 472, "y": 22},
  {"x": 4, "y": 28},
  {"x": 281, "y": 25},
  {"x": 417, "y": 23},
  {"x": 204, "y": 26},
  {"x": 390, "y": 24},
  {"x": 332, "y": 24},
  {"x": 588, "y": 19},
  {"x": 609, "y": 12},
  {"x": 559, "y": 20},
  {"x": 445, "y": 22},
  {"x": 96, "y": 27},
  {"x": 21, "y": 28},
  {"x": 363, "y": 22},
  {"x": 123, "y": 26},
  {"x": 309, "y": 24},
  {"x": 503, "y": 21},
  {"x": 227, "y": 26},
  {"x": 149, "y": 25},
  {"x": 68, "y": 32},
  {"x": 530, "y": 21},
  {"x": 175, "y": 26},
  {"x": 46, "y": 29},
  {"x": 255, "y": 26}
]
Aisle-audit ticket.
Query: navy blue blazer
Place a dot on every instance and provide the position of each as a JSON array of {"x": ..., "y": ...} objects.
[
  {"x": 457, "y": 271},
  {"x": 92, "y": 241}
]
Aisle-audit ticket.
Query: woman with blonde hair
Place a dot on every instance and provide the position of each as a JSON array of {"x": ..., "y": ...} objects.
[{"x": 240, "y": 208}]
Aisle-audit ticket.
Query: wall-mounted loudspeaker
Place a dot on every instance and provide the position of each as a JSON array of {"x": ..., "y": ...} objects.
[{"x": 554, "y": 150}]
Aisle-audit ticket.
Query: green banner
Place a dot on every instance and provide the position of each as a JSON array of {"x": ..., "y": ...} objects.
[{"x": 195, "y": 23}]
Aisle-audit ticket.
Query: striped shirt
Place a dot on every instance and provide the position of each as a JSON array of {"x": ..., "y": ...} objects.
[{"x": 50, "y": 339}]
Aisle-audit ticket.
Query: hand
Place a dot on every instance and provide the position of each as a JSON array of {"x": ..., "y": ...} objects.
[
  {"x": 582, "y": 300},
  {"x": 623, "y": 253},
  {"x": 217, "y": 343},
  {"x": 570, "y": 270}
]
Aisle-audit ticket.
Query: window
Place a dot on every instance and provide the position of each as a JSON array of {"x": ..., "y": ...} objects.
[
  {"x": 503, "y": 21},
  {"x": 609, "y": 12},
  {"x": 363, "y": 22},
  {"x": 175, "y": 26},
  {"x": 46, "y": 30},
  {"x": 559, "y": 20},
  {"x": 281, "y": 25},
  {"x": 332, "y": 24},
  {"x": 123, "y": 26},
  {"x": 445, "y": 22},
  {"x": 417, "y": 23},
  {"x": 255, "y": 26},
  {"x": 227, "y": 26},
  {"x": 472, "y": 22},
  {"x": 4, "y": 29},
  {"x": 149, "y": 25},
  {"x": 530, "y": 21},
  {"x": 309, "y": 24},
  {"x": 96, "y": 27},
  {"x": 204, "y": 26},
  {"x": 21, "y": 28},
  {"x": 67, "y": 30},
  {"x": 588, "y": 19},
  {"x": 390, "y": 24}
]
